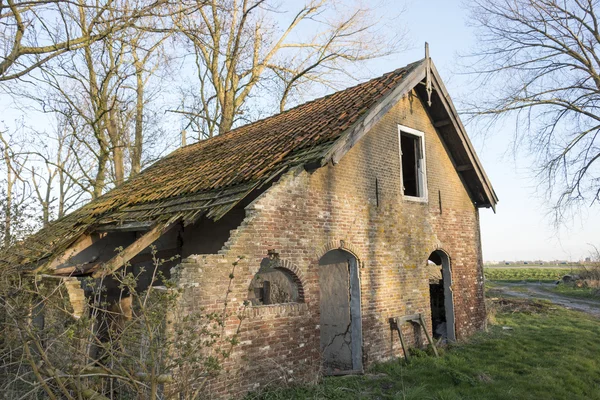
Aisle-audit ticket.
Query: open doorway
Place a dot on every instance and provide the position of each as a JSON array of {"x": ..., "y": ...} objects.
[
  {"x": 441, "y": 296},
  {"x": 340, "y": 321}
]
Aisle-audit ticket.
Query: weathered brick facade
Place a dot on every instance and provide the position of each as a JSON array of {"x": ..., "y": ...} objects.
[{"x": 356, "y": 205}]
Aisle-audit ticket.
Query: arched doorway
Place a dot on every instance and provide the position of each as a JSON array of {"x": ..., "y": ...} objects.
[
  {"x": 441, "y": 296},
  {"x": 341, "y": 324}
]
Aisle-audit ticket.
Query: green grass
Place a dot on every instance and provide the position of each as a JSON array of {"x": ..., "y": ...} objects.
[
  {"x": 550, "y": 353},
  {"x": 525, "y": 274},
  {"x": 576, "y": 292},
  {"x": 530, "y": 265}
]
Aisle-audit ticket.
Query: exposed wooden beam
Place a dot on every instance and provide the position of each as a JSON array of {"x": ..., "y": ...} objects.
[
  {"x": 348, "y": 139},
  {"x": 75, "y": 270},
  {"x": 83, "y": 242},
  {"x": 128, "y": 227},
  {"x": 83, "y": 269},
  {"x": 444, "y": 122},
  {"x": 466, "y": 167},
  {"x": 133, "y": 249}
]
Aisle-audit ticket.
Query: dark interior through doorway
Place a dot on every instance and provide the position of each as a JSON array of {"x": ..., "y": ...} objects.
[{"x": 440, "y": 296}]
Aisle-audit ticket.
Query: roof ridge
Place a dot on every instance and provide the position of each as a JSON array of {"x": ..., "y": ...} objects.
[
  {"x": 405, "y": 68},
  {"x": 251, "y": 154},
  {"x": 240, "y": 129}
]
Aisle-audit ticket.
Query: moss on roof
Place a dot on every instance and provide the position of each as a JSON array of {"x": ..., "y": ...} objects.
[{"x": 211, "y": 176}]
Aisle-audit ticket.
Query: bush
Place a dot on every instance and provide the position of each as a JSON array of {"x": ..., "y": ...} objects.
[{"x": 137, "y": 345}]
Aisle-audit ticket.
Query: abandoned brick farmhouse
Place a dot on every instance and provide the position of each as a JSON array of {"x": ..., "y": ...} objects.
[{"x": 348, "y": 210}]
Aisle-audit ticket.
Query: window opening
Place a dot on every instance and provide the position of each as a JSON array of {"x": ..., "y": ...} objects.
[
  {"x": 273, "y": 284},
  {"x": 412, "y": 157}
]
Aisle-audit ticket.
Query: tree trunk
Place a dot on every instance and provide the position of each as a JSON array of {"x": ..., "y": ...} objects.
[
  {"x": 45, "y": 214},
  {"x": 61, "y": 193},
  {"x": 100, "y": 181},
  {"x": 226, "y": 121},
  {"x": 9, "y": 198},
  {"x": 117, "y": 147},
  {"x": 136, "y": 151}
]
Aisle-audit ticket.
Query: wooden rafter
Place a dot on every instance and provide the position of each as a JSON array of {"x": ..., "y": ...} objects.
[
  {"x": 439, "y": 87},
  {"x": 78, "y": 245},
  {"x": 444, "y": 122},
  {"x": 132, "y": 250},
  {"x": 84, "y": 269},
  {"x": 127, "y": 227},
  {"x": 465, "y": 167}
]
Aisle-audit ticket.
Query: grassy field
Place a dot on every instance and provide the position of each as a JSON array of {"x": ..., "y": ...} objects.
[
  {"x": 576, "y": 292},
  {"x": 549, "y": 353},
  {"x": 499, "y": 275},
  {"x": 525, "y": 274},
  {"x": 533, "y": 265}
]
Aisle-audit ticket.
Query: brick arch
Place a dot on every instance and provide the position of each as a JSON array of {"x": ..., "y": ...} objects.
[
  {"x": 449, "y": 299},
  {"x": 297, "y": 276},
  {"x": 339, "y": 244},
  {"x": 439, "y": 248}
]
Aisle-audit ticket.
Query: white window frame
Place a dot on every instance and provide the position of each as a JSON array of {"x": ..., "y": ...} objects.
[{"x": 421, "y": 168}]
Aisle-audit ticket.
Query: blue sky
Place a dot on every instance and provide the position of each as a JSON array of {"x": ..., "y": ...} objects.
[{"x": 521, "y": 228}]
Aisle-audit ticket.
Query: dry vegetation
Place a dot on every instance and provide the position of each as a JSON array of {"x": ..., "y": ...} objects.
[{"x": 137, "y": 347}]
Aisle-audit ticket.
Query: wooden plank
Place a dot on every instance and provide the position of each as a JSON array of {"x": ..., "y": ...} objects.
[
  {"x": 83, "y": 242},
  {"x": 83, "y": 269},
  {"x": 75, "y": 270},
  {"x": 417, "y": 319},
  {"x": 397, "y": 326},
  {"x": 427, "y": 335},
  {"x": 442, "y": 123},
  {"x": 126, "y": 227},
  {"x": 403, "y": 343},
  {"x": 133, "y": 249},
  {"x": 407, "y": 318},
  {"x": 466, "y": 167}
]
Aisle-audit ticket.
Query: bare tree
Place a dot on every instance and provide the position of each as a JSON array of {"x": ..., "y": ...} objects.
[
  {"x": 34, "y": 32},
  {"x": 15, "y": 193},
  {"x": 54, "y": 173},
  {"x": 239, "y": 48},
  {"x": 148, "y": 56},
  {"x": 100, "y": 93},
  {"x": 106, "y": 92},
  {"x": 539, "y": 61}
]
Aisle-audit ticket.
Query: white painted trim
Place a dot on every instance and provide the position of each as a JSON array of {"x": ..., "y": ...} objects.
[{"x": 423, "y": 170}]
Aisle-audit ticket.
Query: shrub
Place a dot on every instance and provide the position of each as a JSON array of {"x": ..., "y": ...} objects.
[{"x": 137, "y": 345}]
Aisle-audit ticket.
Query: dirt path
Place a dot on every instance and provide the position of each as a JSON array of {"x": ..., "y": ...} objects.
[{"x": 536, "y": 290}]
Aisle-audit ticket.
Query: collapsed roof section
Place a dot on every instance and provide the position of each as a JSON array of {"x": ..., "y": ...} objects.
[{"x": 212, "y": 176}]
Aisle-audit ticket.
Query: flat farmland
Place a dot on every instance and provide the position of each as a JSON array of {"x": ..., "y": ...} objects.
[{"x": 527, "y": 274}]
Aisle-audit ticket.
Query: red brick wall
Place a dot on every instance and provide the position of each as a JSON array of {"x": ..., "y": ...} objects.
[{"x": 305, "y": 214}]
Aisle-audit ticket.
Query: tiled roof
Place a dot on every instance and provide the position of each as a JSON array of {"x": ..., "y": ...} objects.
[{"x": 211, "y": 176}]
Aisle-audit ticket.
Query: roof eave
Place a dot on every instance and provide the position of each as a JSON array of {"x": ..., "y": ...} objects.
[
  {"x": 439, "y": 86},
  {"x": 348, "y": 139}
]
